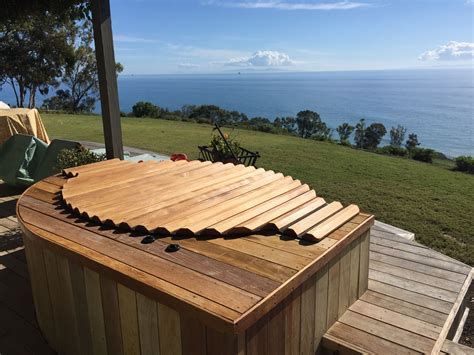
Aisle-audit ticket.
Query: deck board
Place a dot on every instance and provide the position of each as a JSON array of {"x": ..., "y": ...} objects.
[{"x": 413, "y": 295}]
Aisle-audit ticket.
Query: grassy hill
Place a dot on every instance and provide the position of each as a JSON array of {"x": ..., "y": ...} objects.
[{"x": 435, "y": 203}]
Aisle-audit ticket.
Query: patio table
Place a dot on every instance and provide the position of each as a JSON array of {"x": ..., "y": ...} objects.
[{"x": 189, "y": 257}]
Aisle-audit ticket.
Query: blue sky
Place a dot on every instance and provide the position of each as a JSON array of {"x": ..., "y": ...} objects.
[{"x": 211, "y": 36}]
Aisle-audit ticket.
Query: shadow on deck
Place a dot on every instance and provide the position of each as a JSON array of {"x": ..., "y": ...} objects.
[{"x": 19, "y": 333}]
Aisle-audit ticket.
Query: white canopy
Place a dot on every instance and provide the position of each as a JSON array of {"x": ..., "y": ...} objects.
[{"x": 3, "y": 105}]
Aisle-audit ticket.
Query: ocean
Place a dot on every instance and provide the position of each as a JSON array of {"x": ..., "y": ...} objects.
[{"x": 437, "y": 105}]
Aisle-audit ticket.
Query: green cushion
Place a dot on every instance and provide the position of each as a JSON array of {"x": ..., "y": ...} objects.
[{"x": 20, "y": 156}]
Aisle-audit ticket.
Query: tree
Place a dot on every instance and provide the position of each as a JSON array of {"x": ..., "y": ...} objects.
[
  {"x": 360, "y": 133},
  {"x": 412, "y": 141},
  {"x": 309, "y": 124},
  {"x": 368, "y": 137},
  {"x": 80, "y": 76},
  {"x": 344, "y": 130},
  {"x": 33, "y": 52},
  {"x": 397, "y": 135},
  {"x": 288, "y": 123},
  {"x": 146, "y": 109},
  {"x": 373, "y": 135}
]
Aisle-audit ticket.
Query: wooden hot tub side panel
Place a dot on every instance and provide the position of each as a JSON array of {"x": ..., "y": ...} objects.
[{"x": 83, "y": 312}]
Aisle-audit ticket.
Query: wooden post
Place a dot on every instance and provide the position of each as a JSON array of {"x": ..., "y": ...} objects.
[{"x": 104, "y": 52}]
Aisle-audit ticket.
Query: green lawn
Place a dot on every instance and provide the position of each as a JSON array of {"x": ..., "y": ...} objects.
[{"x": 435, "y": 203}]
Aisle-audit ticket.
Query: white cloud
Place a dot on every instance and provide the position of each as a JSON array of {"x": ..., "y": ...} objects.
[
  {"x": 450, "y": 51},
  {"x": 262, "y": 59},
  {"x": 286, "y": 5},
  {"x": 131, "y": 39},
  {"x": 188, "y": 66}
]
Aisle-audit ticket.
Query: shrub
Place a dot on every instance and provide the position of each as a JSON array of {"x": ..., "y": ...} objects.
[
  {"x": 465, "y": 163},
  {"x": 221, "y": 149},
  {"x": 344, "y": 130},
  {"x": 422, "y": 154},
  {"x": 360, "y": 133},
  {"x": 412, "y": 141},
  {"x": 373, "y": 135},
  {"x": 68, "y": 158},
  {"x": 392, "y": 150},
  {"x": 397, "y": 135},
  {"x": 146, "y": 109}
]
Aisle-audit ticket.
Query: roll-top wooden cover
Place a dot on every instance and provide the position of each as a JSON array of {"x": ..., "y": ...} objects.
[
  {"x": 227, "y": 282},
  {"x": 200, "y": 198}
]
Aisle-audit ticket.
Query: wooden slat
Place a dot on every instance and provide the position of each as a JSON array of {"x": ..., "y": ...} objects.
[
  {"x": 300, "y": 228},
  {"x": 171, "y": 215},
  {"x": 111, "y": 308},
  {"x": 155, "y": 191},
  {"x": 391, "y": 333},
  {"x": 128, "y": 320},
  {"x": 274, "y": 203},
  {"x": 257, "y": 338},
  {"x": 205, "y": 191},
  {"x": 409, "y": 296},
  {"x": 404, "y": 307},
  {"x": 308, "y": 303},
  {"x": 193, "y": 336},
  {"x": 370, "y": 343},
  {"x": 333, "y": 291},
  {"x": 76, "y": 187},
  {"x": 148, "y": 325},
  {"x": 88, "y": 198},
  {"x": 82, "y": 183},
  {"x": 415, "y": 276},
  {"x": 217, "y": 343},
  {"x": 194, "y": 223},
  {"x": 263, "y": 252},
  {"x": 321, "y": 308},
  {"x": 413, "y": 248},
  {"x": 415, "y": 286},
  {"x": 292, "y": 319},
  {"x": 292, "y": 245},
  {"x": 419, "y": 267},
  {"x": 261, "y": 220},
  {"x": 344, "y": 280},
  {"x": 67, "y": 301},
  {"x": 440, "y": 264},
  {"x": 354, "y": 272},
  {"x": 282, "y": 222},
  {"x": 84, "y": 168},
  {"x": 364, "y": 263},
  {"x": 170, "y": 331},
  {"x": 57, "y": 304},
  {"x": 416, "y": 326},
  {"x": 95, "y": 310},
  {"x": 322, "y": 229},
  {"x": 276, "y": 330},
  {"x": 81, "y": 312}
]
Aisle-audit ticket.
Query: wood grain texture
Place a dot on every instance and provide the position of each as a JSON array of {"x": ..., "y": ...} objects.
[
  {"x": 170, "y": 331},
  {"x": 148, "y": 325},
  {"x": 96, "y": 312},
  {"x": 128, "y": 320},
  {"x": 197, "y": 197}
]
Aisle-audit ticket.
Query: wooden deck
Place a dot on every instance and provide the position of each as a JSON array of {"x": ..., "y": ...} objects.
[
  {"x": 412, "y": 293},
  {"x": 19, "y": 332}
]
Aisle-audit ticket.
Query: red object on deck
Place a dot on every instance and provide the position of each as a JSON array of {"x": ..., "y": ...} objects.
[{"x": 178, "y": 156}]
